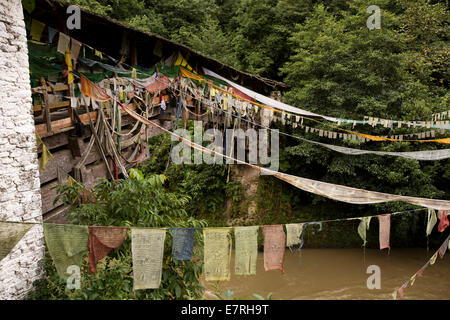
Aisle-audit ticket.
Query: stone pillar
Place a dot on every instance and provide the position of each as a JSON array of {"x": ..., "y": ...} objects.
[{"x": 20, "y": 198}]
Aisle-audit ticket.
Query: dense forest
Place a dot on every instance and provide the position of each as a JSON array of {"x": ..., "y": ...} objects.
[{"x": 334, "y": 65}]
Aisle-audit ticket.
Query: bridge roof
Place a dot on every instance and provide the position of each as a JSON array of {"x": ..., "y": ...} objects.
[{"x": 105, "y": 34}]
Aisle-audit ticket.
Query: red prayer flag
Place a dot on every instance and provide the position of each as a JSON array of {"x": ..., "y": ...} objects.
[
  {"x": 101, "y": 241},
  {"x": 385, "y": 230},
  {"x": 443, "y": 224},
  {"x": 274, "y": 247}
]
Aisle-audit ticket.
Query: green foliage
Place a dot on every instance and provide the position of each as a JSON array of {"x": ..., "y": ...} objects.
[{"x": 140, "y": 201}]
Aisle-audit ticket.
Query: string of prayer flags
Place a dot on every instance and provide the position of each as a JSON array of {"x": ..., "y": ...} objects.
[
  {"x": 147, "y": 250},
  {"x": 37, "y": 28},
  {"x": 66, "y": 244},
  {"x": 63, "y": 43},
  {"x": 101, "y": 241},
  {"x": 363, "y": 227},
  {"x": 293, "y": 234},
  {"x": 431, "y": 221},
  {"x": 10, "y": 234},
  {"x": 182, "y": 243},
  {"x": 246, "y": 250},
  {"x": 217, "y": 253},
  {"x": 441, "y": 251},
  {"x": 385, "y": 230},
  {"x": 274, "y": 247},
  {"x": 443, "y": 224}
]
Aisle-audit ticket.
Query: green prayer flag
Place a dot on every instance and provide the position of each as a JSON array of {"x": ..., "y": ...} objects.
[
  {"x": 246, "y": 250},
  {"x": 217, "y": 253},
  {"x": 10, "y": 234},
  {"x": 66, "y": 244}
]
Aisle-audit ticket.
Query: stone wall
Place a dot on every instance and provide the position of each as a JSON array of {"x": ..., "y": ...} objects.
[{"x": 20, "y": 198}]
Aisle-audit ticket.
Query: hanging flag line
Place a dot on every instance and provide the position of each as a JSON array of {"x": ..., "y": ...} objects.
[
  {"x": 305, "y": 222},
  {"x": 371, "y": 120},
  {"x": 329, "y": 190},
  {"x": 190, "y": 75},
  {"x": 63, "y": 43},
  {"x": 332, "y": 191},
  {"x": 426, "y": 155},
  {"x": 441, "y": 251}
]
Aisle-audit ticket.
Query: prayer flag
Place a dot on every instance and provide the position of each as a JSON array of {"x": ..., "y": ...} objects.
[
  {"x": 413, "y": 279},
  {"x": 421, "y": 270},
  {"x": 293, "y": 234},
  {"x": 443, "y": 248},
  {"x": 51, "y": 34},
  {"x": 63, "y": 43},
  {"x": 89, "y": 89},
  {"x": 37, "y": 28},
  {"x": 363, "y": 227},
  {"x": 101, "y": 241},
  {"x": 274, "y": 247},
  {"x": 385, "y": 230},
  {"x": 10, "y": 234},
  {"x": 433, "y": 259},
  {"x": 66, "y": 244},
  {"x": 69, "y": 67},
  {"x": 75, "y": 49},
  {"x": 182, "y": 243},
  {"x": 246, "y": 250},
  {"x": 147, "y": 249},
  {"x": 443, "y": 224},
  {"x": 217, "y": 253},
  {"x": 431, "y": 221}
]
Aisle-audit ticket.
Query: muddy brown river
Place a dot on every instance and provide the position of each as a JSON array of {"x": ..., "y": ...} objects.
[{"x": 342, "y": 274}]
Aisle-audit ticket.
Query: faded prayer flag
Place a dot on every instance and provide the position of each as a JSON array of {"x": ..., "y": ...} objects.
[
  {"x": 63, "y": 43},
  {"x": 101, "y": 241},
  {"x": 66, "y": 244},
  {"x": 363, "y": 227},
  {"x": 217, "y": 253},
  {"x": 147, "y": 249},
  {"x": 433, "y": 258},
  {"x": 443, "y": 248},
  {"x": 37, "y": 28},
  {"x": 293, "y": 234},
  {"x": 75, "y": 49},
  {"x": 10, "y": 234},
  {"x": 385, "y": 230},
  {"x": 274, "y": 247},
  {"x": 246, "y": 250},
  {"x": 443, "y": 224},
  {"x": 431, "y": 221},
  {"x": 182, "y": 243}
]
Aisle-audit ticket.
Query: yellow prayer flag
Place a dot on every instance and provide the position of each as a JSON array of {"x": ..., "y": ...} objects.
[
  {"x": 37, "y": 28},
  {"x": 147, "y": 250},
  {"x": 69, "y": 66},
  {"x": 293, "y": 234},
  {"x": 217, "y": 253}
]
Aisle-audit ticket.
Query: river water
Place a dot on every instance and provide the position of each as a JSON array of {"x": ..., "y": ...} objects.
[{"x": 342, "y": 274}]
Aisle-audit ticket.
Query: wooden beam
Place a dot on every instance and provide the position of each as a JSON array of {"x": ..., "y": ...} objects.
[{"x": 52, "y": 106}]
